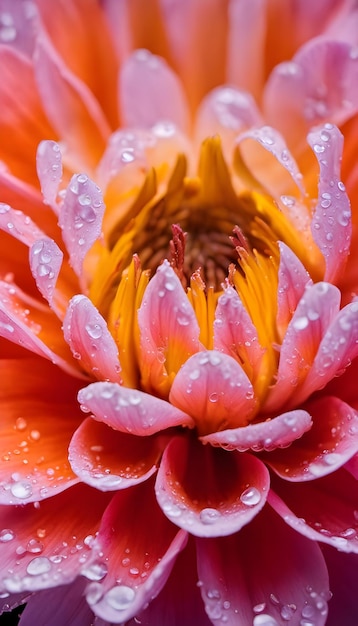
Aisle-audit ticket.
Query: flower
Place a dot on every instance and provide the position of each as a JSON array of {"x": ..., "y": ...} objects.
[{"x": 184, "y": 281}]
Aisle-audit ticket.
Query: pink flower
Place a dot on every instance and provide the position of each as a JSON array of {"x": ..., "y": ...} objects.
[{"x": 183, "y": 280}]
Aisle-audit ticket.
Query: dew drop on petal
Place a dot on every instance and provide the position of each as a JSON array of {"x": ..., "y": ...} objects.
[
  {"x": 251, "y": 496},
  {"x": 6, "y": 535},
  {"x": 39, "y": 565},
  {"x": 21, "y": 489},
  {"x": 120, "y": 597},
  {"x": 209, "y": 516},
  {"x": 94, "y": 330},
  {"x": 95, "y": 571},
  {"x": 264, "y": 620}
]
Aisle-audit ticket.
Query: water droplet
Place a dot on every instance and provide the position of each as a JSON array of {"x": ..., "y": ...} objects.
[
  {"x": 34, "y": 546},
  {"x": 120, "y": 597},
  {"x": 264, "y": 620},
  {"x": 209, "y": 516},
  {"x": 21, "y": 489},
  {"x": 6, "y": 535},
  {"x": 213, "y": 397},
  {"x": 95, "y": 571},
  {"x": 300, "y": 323},
  {"x": 251, "y": 496},
  {"x": 39, "y": 565},
  {"x": 94, "y": 330},
  {"x": 20, "y": 423}
]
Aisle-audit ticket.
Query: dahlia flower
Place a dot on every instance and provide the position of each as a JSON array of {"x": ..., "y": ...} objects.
[{"x": 178, "y": 312}]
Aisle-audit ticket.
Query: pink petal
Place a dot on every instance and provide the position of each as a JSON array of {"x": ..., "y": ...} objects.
[
  {"x": 137, "y": 566},
  {"x": 323, "y": 510},
  {"x": 32, "y": 326},
  {"x": 49, "y": 170},
  {"x": 315, "y": 311},
  {"x": 131, "y": 411},
  {"x": 37, "y": 422},
  {"x": 80, "y": 218},
  {"x": 47, "y": 545},
  {"x": 18, "y": 225},
  {"x": 337, "y": 350},
  {"x": 109, "y": 460},
  {"x": 331, "y": 221},
  {"x": 235, "y": 334},
  {"x": 150, "y": 92},
  {"x": 71, "y": 107},
  {"x": 342, "y": 570},
  {"x": 265, "y": 575},
  {"x": 292, "y": 281},
  {"x": 45, "y": 263},
  {"x": 63, "y": 605},
  {"x": 328, "y": 445},
  {"x": 87, "y": 334},
  {"x": 169, "y": 331},
  {"x": 278, "y": 432},
  {"x": 213, "y": 388},
  {"x": 235, "y": 493}
]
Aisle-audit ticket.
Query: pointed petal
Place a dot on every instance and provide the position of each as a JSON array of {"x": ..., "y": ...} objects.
[
  {"x": 169, "y": 331},
  {"x": 64, "y": 605},
  {"x": 137, "y": 566},
  {"x": 150, "y": 92},
  {"x": 323, "y": 510},
  {"x": 278, "y": 432},
  {"x": 315, "y": 311},
  {"x": 213, "y": 388},
  {"x": 45, "y": 263},
  {"x": 50, "y": 542},
  {"x": 109, "y": 460},
  {"x": 235, "y": 334},
  {"x": 37, "y": 422},
  {"x": 265, "y": 575},
  {"x": 87, "y": 334},
  {"x": 235, "y": 493},
  {"x": 81, "y": 216},
  {"x": 331, "y": 221},
  {"x": 292, "y": 280},
  {"x": 334, "y": 430},
  {"x": 131, "y": 411},
  {"x": 49, "y": 170},
  {"x": 71, "y": 107}
]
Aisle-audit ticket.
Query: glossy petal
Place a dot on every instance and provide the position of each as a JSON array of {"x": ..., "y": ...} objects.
[
  {"x": 169, "y": 331},
  {"x": 137, "y": 566},
  {"x": 329, "y": 444},
  {"x": 235, "y": 493},
  {"x": 293, "y": 278},
  {"x": 213, "y": 388},
  {"x": 331, "y": 221},
  {"x": 131, "y": 411},
  {"x": 109, "y": 460},
  {"x": 80, "y": 218},
  {"x": 45, "y": 263},
  {"x": 49, "y": 170},
  {"x": 47, "y": 545},
  {"x": 278, "y": 432},
  {"x": 323, "y": 510},
  {"x": 149, "y": 92},
  {"x": 87, "y": 334},
  {"x": 315, "y": 312},
  {"x": 266, "y": 575},
  {"x": 18, "y": 225},
  {"x": 36, "y": 425}
]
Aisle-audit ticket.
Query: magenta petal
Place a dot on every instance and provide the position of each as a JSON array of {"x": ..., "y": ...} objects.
[
  {"x": 292, "y": 281},
  {"x": 80, "y": 218},
  {"x": 328, "y": 445},
  {"x": 87, "y": 334},
  {"x": 109, "y": 460},
  {"x": 323, "y": 510},
  {"x": 265, "y": 575},
  {"x": 131, "y": 566},
  {"x": 235, "y": 493},
  {"x": 315, "y": 311},
  {"x": 235, "y": 334},
  {"x": 58, "y": 607},
  {"x": 130, "y": 410},
  {"x": 150, "y": 91},
  {"x": 342, "y": 569},
  {"x": 19, "y": 225},
  {"x": 214, "y": 389},
  {"x": 45, "y": 262},
  {"x": 278, "y": 432},
  {"x": 331, "y": 222},
  {"x": 49, "y": 170}
]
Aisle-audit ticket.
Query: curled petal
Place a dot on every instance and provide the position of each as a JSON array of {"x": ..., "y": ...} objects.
[
  {"x": 236, "y": 491},
  {"x": 169, "y": 331},
  {"x": 290, "y": 583},
  {"x": 323, "y": 510},
  {"x": 292, "y": 281},
  {"x": 87, "y": 334},
  {"x": 150, "y": 91},
  {"x": 331, "y": 221},
  {"x": 334, "y": 430},
  {"x": 109, "y": 460},
  {"x": 128, "y": 568},
  {"x": 214, "y": 389},
  {"x": 131, "y": 411},
  {"x": 19, "y": 225},
  {"x": 49, "y": 170},
  {"x": 279, "y": 432},
  {"x": 80, "y": 218}
]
